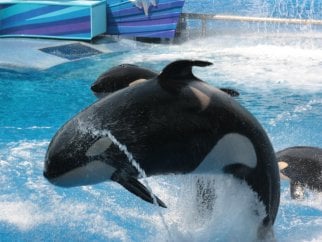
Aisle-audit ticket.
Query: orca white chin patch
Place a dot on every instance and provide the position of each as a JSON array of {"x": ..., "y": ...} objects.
[
  {"x": 92, "y": 173},
  {"x": 233, "y": 148}
]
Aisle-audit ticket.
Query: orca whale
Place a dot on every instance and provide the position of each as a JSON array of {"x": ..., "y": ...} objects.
[
  {"x": 125, "y": 75},
  {"x": 174, "y": 123},
  {"x": 302, "y": 165}
]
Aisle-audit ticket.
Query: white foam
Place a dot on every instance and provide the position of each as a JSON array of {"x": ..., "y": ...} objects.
[
  {"x": 256, "y": 61},
  {"x": 297, "y": 111},
  {"x": 27, "y": 214},
  {"x": 35, "y": 202},
  {"x": 233, "y": 215},
  {"x": 299, "y": 220},
  {"x": 311, "y": 198},
  {"x": 22, "y": 214},
  {"x": 27, "y": 128},
  {"x": 279, "y": 66}
]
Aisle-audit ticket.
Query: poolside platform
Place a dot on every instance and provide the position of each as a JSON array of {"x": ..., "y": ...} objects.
[{"x": 25, "y": 54}]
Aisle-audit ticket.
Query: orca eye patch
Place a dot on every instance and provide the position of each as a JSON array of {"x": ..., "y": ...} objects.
[
  {"x": 282, "y": 165},
  {"x": 99, "y": 146}
]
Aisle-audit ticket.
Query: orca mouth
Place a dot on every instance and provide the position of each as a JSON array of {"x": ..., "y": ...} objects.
[
  {"x": 96, "y": 88},
  {"x": 51, "y": 171},
  {"x": 50, "y": 175},
  {"x": 45, "y": 174},
  {"x": 53, "y": 178}
]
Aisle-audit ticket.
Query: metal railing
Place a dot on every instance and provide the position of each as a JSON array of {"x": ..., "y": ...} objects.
[{"x": 206, "y": 17}]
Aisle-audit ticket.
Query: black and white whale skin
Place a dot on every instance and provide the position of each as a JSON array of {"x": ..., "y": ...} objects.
[
  {"x": 302, "y": 165},
  {"x": 174, "y": 123},
  {"x": 126, "y": 75}
]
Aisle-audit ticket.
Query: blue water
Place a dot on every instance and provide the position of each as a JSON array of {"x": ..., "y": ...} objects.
[{"x": 279, "y": 78}]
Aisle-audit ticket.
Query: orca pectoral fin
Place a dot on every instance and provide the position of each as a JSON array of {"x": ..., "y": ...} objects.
[
  {"x": 230, "y": 92},
  {"x": 297, "y": 190},
  {"x": 137, "y": 188}
]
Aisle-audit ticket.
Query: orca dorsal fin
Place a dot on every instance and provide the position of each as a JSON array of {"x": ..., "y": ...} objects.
[{"x": 179, "y": 73}]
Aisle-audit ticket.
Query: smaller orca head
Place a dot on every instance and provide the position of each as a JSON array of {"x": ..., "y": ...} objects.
[
  {"x": 299, "y": 163},
  {"x": 119, "y": 77}
]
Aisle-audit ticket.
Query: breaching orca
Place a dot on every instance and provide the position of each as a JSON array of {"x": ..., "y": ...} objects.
[
  {"x": 174, "y": 123},
  {"x": 302, "y": 165},
  {"x": 125, "y": 75}
]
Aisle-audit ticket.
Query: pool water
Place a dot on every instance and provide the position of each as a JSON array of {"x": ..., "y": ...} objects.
[{"x": 278, "y": 78}]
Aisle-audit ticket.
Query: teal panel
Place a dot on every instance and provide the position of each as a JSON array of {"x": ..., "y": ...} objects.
[
  {"x": 17, "y": 9},
  {"x": 76, "y": 14},
  {"x": 60, "y": 12},
  {"x": 98, "y": 21},
  {"x": 36, "y": 20}
]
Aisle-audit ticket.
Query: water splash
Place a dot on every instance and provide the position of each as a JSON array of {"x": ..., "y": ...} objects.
[
  {"x": 106, "y": 212},
  {"x": 141, "y": 172},
  {"x": 234, "y": 211}
]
